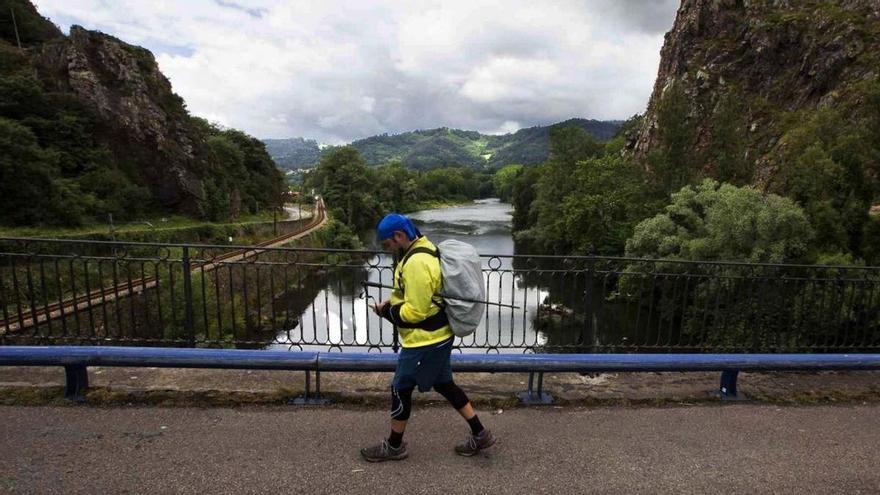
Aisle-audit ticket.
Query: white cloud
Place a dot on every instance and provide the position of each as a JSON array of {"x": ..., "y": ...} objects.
[{"x": 337, "y": 71}]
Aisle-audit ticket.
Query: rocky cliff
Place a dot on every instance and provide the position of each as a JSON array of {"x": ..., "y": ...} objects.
[
  {"x": 141, "y": 118},
  {"x": 772, "y": 59},
  {"x": 111, "y": 135}
]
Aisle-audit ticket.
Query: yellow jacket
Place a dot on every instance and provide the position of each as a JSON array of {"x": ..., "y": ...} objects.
[{"x": 414, "y": 298}]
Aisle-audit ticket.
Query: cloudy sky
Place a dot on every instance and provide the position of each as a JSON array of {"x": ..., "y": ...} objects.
[{"x": 341, "y": 70}]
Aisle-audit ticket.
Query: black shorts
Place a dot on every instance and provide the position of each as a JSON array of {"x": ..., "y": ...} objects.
[{"x": 424, "y": 366}]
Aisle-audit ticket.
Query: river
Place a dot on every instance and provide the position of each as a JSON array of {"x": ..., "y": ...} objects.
[{"x": 338, "y": 316}]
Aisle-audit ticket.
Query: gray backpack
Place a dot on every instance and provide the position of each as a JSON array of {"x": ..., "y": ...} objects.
[{"x": 463, "y": 291}]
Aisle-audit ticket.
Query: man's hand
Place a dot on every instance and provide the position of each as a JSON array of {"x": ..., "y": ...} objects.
[{"x": 379, "y": 308}]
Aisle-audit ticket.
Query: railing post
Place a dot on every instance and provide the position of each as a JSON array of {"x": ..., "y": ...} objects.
[
  {"x": 76, "y": 383},
  {"x": 539, "y": 398},
  {"x": 189, "y": 318},
  {"x": 307, "y": 399},
  {"x": 590, "y": 316},
  {"x": 727, "y": 390}
]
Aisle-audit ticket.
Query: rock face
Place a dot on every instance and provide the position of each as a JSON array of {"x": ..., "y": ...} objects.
[
  {"x": 775, "y": 56},
  {"x": 144, "y": 121}
]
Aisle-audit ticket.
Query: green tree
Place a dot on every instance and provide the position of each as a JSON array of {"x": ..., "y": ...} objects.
[
  {"x": 504, "y": 179},
  {"x": 395, "y": 187},
  {"x": 30, "y": 190},
  {"x": 672, "y": 163},
  {"x": 724, "y": 222},
  {"x": 343, "y": 179},
  {"x": 523, "y": 196},
  {"x": 729, "y": 149},
  {"x": 568, "y": 146},
  {"x": 604, "y": 206},
  {"x": 828, "y": 163}
]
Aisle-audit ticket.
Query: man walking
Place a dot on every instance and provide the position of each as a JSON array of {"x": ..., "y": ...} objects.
[{"x": 424, "y": 361}]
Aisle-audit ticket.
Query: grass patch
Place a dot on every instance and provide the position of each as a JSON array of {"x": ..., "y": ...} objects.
[
  {"x": 159, "y": 224},
  {"x": 433, "y": 204}
]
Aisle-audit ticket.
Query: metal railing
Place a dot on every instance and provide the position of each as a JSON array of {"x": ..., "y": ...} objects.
[{"x": 183, "y": 295}]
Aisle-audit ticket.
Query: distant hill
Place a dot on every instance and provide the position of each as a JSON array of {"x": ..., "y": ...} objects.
[
  {"x": 293, "y": 153},
  {"x": 443, "y": 147}
]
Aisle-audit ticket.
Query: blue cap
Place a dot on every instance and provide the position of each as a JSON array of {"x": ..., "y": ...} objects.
[{"x": 394, "y": 222}]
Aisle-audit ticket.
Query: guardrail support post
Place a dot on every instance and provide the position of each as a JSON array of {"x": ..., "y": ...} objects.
[
  {"x": 532, "y": 397},
  {"x": 727, "y": 390},
  {"x": 307, "y": 399},
  {"x": 77, "y": 381}
]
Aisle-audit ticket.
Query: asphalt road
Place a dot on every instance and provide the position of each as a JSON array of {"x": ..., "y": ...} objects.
[{"x": 738, "y": 448}]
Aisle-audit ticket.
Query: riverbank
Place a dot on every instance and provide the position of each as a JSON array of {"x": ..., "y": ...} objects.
[{"x": 435, "y": 204}]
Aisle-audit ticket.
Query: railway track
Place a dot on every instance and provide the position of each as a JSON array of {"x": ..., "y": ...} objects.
[{"x": 25, "y": 319}]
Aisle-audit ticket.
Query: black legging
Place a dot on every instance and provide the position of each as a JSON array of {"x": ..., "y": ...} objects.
[
  {"x": 453, "y": 393},
  {"x": 401, "y": 399}
]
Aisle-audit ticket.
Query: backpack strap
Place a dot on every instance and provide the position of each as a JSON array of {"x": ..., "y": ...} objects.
[
  {"x": 431, "y": 323},
  {"x": 408, "y": 255},
  {"x": 420, "y": 249}
]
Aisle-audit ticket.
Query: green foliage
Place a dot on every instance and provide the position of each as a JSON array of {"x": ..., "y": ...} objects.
[
  {"x": 724, "y": 222},
  {"x": 359, "y": 195},
  {"x": 568, "y": 146},
  {"x": 455, "y": 183},
  {"x": 32, "y": 27},
  {"x": 445, "y": 149},
  {"x": 504, "y": 179},
  {"x": 523, "y": 196},
  {"x": 871, "y": 241},
  {"x": 217, "y": 202},
  {"x": 617, "y": 144},
  {"x": 828, "y": 163},
  {"x": 337, "y": 235},
  {"x": 395, "y": 188},
  {"x": 342, "y": 178},
  {"x": 112, "y": 192},
  {"x": 601, "y": 211},
  {"x": 672, "y": 163},
  {"x": 20, "y": 96},
  {"x": 29, "y": 188},
  {"x": 728, "y": 152},
  {"x": 238, "y": 164},
  {"x": 293, "y": 153}
]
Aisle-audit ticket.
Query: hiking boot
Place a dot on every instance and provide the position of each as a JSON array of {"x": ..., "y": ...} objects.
[
  {"x": 475, "y": 443},
  {"x": 384, "y": 452}
]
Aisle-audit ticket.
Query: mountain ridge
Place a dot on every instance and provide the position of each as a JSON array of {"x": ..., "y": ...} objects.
[{"x": 443, "y": 146}]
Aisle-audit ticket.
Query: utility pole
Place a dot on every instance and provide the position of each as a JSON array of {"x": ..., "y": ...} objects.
[{"x": 15, "y": 27}]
